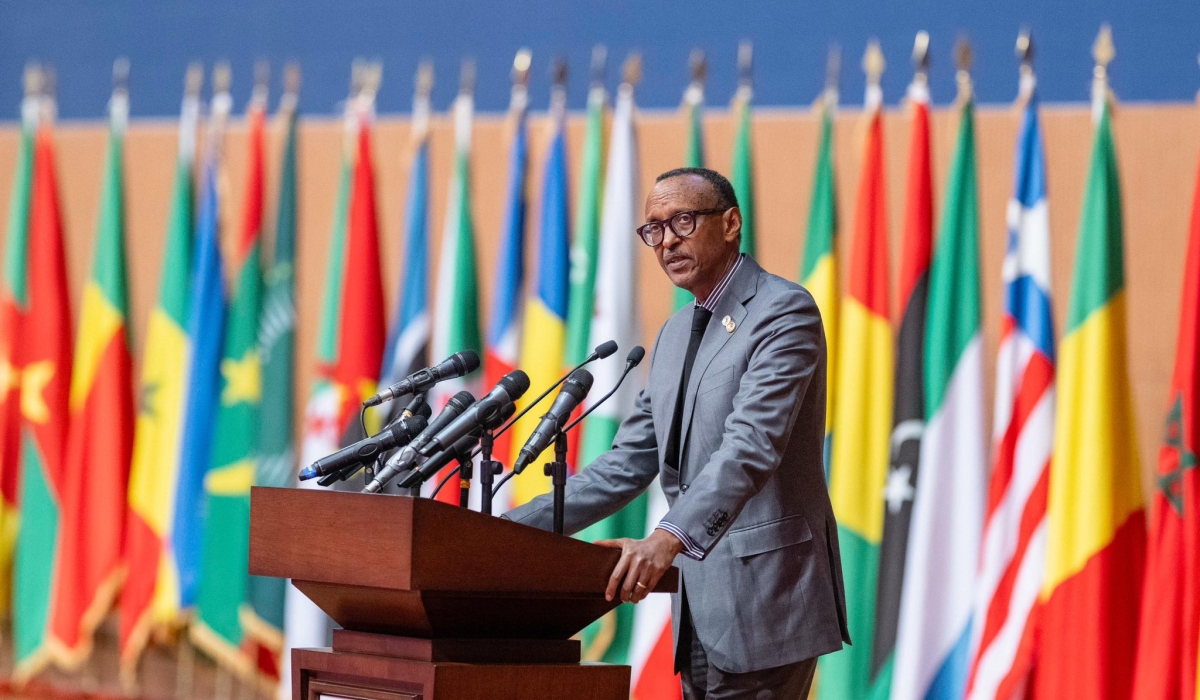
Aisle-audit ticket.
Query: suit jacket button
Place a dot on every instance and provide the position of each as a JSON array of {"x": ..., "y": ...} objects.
[{"x": 683, "y": 488}]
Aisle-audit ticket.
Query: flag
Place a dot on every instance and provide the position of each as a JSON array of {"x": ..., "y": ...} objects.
[
  {"x": 457, "y": 293},
  {"x": 908, "y": 405},
  {"x": 819, "y": 266},
  {"x": 934, "y": 632},
  {"x": 1170, "y": 613},
  {"x": 306, "y": 625},
  {"x": 14, "y": 305},
  {"x": 652, "y": 652},
  {"x": 1096, "y": 528},
  {"x": 504, "y": 336},
  {"x": 150, "y": 597},
  {"x": 262, "y": 616},
  {"x": 407, "y": 349},
  {"x": 617, "y": 318},
  {"x": 546, "y": 310},
  {"x": 584, "y": 250},
  {"x": 206, "y": 331},
  {"x": 1013, "y": 549},
  {"x": 693, "y": 112},
  {"x": 225, "y": 549},
  {"x": 741, "y": 173},
  {"x": 100, "y": 439},
  {"x": 44, "y": 354},
  {"x": 864, "y": 413}
]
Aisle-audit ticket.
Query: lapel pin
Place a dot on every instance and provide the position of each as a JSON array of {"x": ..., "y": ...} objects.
[{"x": 729, "y": 324}]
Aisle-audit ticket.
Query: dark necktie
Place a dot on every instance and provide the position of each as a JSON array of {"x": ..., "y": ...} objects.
[{"x": 700, "y": 317}]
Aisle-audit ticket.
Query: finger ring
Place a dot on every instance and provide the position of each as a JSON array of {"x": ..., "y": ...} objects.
[{"x": 639, "y": 584}]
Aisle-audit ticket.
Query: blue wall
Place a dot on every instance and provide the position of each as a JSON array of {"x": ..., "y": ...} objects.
[{"x": 1157, "y": 42}]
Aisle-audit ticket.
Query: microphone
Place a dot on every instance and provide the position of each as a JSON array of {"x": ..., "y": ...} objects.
[
  {"x": 457, "y": 365},
  {"x": 486, "y": 414},
  {"x": 633, "y": 359},
  {"x": 463, "y": 449},
  {"x": 602, "y": 351},
  {"x": 405, "y": 458},
  {"x": 399, "y": 433},
  {"x": 576, "y": 387}
]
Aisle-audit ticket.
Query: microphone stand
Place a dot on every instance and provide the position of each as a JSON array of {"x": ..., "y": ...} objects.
[
  {"x": 557, "y": 471},
  {"x": 488, "y": 470},
  {"x": 465, "y": 472}
]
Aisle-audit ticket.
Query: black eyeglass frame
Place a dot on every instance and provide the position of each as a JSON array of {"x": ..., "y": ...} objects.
[{"x": 669, "y": 223}]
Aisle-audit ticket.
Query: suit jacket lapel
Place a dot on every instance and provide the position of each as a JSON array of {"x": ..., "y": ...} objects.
[
  {"x": 669, "y": 361},
  {"x": 741, "y": 288}
]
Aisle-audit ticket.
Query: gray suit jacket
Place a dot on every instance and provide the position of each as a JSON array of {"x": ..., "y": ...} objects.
[{"x": 751, "y": 492}]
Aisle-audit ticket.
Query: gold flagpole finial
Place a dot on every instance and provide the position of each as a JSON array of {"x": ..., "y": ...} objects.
[
  {"x": 262, "y": 81},
  {"x": 698, "y": 65},
  {"x": 873, "y": 63},
  {"x": 222, "y": 78},
  {"x": 193, "y": 81},
  {"x": 920, "y": 56},
  {"x": 1103, "y": 50},
  {"x": 963, "y": 57},
  {"x": 34, "y": 79},
  {"x": 521, "y": 64},
  {"x": 291, "y": 78},
  {"x": 466, "y": 77},
  {"x": 632, "y": 70},
  {"x": 121, "y": 75},
  {"x": 599, "y": 66},
  {"x": 372, "y": 79},
  {"x": 1025, "y": 55},
  {"x": 745, "y": 64}
]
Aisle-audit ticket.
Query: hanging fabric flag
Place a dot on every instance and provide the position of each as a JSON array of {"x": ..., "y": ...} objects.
[
  {"x": 693, "y": 112},
  {"x": 617, "y": 318},
  {"x": 225, "y": 544},
  {"x": 262, "y": 616},
  {"x": 741, "y": 173},
  {"x": 44, "y": 354},
  {"x": 305, "y": 625},
  {"x": 1170, "y": 614},
  {"x": 864, "y": 403},
  {"x": 504, "y": 336},
  {"x": 407, "y": 348},
  {"x": 457, "y": 294},
  {"x": 934, "y": 633},
  {"x": 150, "y": 597},
  {"x": 1096, "y": 538},
  {"x": 14, "y": 306},
  {"x": 908, "y": 406},
  {"x": 1013, "y": 550},
  {"x": 546, "y": 310},
  {"x": 819, "y": 267},
  {"x": 100, "y": 441},
  {"x": 652, "y": 651},
  {"x": 582, "y": 293},
  {"x": 206, "y": 328}
]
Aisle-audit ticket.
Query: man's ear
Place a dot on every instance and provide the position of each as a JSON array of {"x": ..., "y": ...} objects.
[{"x": 732, "y": 218}]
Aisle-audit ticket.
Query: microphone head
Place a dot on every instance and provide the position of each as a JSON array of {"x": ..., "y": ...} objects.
[
  {"x": 579, "y": 383},
  {"x": 605, "y": 349},
  {"x": 465, "y": 362},
  {"x": 416, "y": 425},
  {"x": 424, "y": 411},
  {"x": 461, "y": 401},
  {"x": 635, "y": 357},
  {"x": 515, "y": 384}
]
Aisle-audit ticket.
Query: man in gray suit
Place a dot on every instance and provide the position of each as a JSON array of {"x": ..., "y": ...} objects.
[{"x": 732, "y": 422}]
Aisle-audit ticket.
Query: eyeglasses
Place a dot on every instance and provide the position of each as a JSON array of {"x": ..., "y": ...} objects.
[{"x": 683, "y": 224}]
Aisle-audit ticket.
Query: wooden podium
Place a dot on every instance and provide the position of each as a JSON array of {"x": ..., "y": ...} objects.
[{"x": 436, "y": 602}]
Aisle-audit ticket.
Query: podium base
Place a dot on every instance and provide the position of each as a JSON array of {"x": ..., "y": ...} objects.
[{"x": 363, "y": 666}]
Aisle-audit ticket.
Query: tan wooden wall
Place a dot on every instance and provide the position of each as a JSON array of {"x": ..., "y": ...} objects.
[{"x": 1157, "y": 147}]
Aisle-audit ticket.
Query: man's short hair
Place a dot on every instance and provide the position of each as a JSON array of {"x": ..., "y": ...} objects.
[{"x": 726, "y": 197}]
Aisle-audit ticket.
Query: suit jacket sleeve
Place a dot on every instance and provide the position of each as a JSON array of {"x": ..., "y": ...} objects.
[
  {"x": 789, "y": 345},
  {"x": 610, "y": 482}
]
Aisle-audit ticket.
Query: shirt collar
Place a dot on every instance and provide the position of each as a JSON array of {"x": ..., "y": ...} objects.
[{"x": 715, "y": 297}]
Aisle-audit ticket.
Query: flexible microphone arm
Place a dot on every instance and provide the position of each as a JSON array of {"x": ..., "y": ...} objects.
[
  {"x": 634, "y": 359},
  {"x": 602, "y": 351}
]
